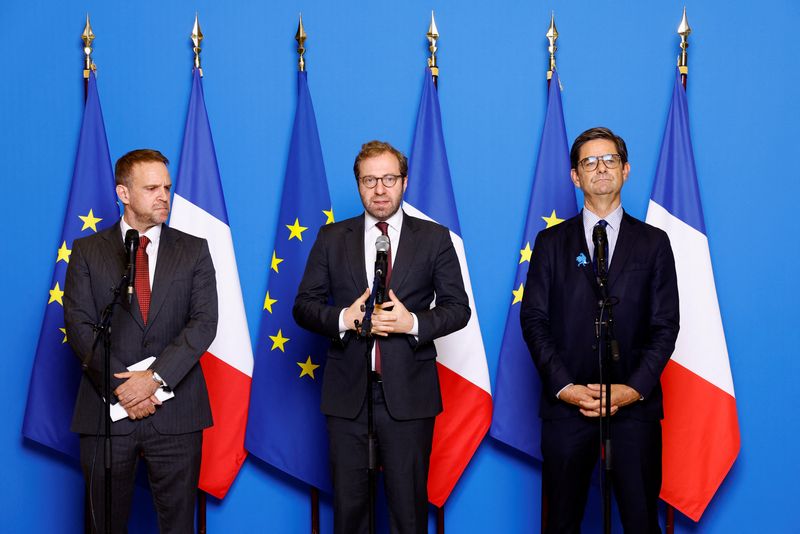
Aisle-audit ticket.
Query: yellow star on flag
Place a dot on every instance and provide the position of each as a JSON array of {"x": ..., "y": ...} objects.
[
  {"x": 55, "y": 295},
  {"x": 518, "y": 294},
  {"x": 278, "y": 341},
  {"x": 525, "y": 253},
  {"x": 307, "y": 368},
  {"x": 89, "y": 221},
  {"x": 295, "y": 230},
  {"x": 64, "y": 331},
  {"x": 275, "y": 262},
  {"x": 63, "y": 253},
  {"x": 552, "y": 220},
  {"x": 268, "y": 302},
  {"x": 329, "y": 215}
]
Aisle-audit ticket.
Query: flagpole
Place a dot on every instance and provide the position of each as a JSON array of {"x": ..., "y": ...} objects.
[
  {"x": 301, "y": 37},
  {"x": 433, "y": 36},
  {"x": 88, "y": 64},
  {"x": 683, "y": 66},
  {"x": 202, "y": 497}
]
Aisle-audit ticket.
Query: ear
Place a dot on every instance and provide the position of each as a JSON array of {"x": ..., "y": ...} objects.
[
  {"x": 405, "y": 183},
  {"x": 626, "y": 169},
  {"x": 575, "y": 178},
  {"x": 122, "y": 193}
]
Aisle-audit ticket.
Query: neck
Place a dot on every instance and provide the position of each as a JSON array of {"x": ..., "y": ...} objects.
[{"x": 602, "y": 206}]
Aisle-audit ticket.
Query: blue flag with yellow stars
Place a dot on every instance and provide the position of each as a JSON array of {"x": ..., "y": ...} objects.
[
  {"x": 285, "y": 427},
  {"x": 92, "y": 207},
  {"x": 518, "y": 388}
]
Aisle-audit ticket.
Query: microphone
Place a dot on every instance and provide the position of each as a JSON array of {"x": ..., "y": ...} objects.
[
  {"x": 382, "y": 245},
  {"x": 131, "y": 246},
  {"x": 600, "y": 239}
]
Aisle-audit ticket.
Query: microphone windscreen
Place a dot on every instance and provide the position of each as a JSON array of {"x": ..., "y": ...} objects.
[{"x": 382, "y": 244}]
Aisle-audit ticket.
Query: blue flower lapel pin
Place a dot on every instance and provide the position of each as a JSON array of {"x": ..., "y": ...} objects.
[{"x": 581, "y": 260}]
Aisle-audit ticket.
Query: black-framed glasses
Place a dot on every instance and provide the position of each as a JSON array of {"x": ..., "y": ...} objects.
[
  {"x": 388, "y": 180},
  {"x": 611, "y": 161}
]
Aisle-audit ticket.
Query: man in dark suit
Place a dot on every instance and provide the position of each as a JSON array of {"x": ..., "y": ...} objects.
[
  {"x": 559, "y": 309},
  {"x": 175, "y": 323},
  {"x": 406, "y": 396}
]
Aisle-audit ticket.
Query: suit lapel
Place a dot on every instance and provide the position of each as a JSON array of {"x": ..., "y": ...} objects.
[
  {"x": 579, "y": 235},
  {"x": 405, "y": 252},
  {"x": 169, "y": 254},
  {"x": 354, "y": 247},
  {"x": 117, "y": 262},
  {"x": 626, "y": 239}
]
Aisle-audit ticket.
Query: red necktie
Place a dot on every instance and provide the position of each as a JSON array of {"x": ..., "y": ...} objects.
[
  {"x": 143, "y": 277},
  {"x": 384, "y": 228}
]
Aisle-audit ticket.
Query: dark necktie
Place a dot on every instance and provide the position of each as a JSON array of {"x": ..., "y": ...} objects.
[
  {"x": 603, "y": 224},
  {"x": 143, "y": 278},
  {"x": 384, "y": 228}
]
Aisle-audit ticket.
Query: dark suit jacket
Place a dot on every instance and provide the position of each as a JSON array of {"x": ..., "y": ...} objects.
[
  {"x": 425, "y": 266},
  {"x": 559, "y": 307},
  {"x": 181, "y": 325}
]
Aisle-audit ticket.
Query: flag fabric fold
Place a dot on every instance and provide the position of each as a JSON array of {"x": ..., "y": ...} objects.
[
  {"x": 700, "y": 426},
  {"x": 199, "y": 209},
  {"x": 92, "y": 207},
  {"x": 286, "y": 428},
  {"x": 461, "y": 357},
  {"x": 518, "y": 387}
]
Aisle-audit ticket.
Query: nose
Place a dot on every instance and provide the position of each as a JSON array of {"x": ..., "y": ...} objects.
[{"x": 380, "y": 189}]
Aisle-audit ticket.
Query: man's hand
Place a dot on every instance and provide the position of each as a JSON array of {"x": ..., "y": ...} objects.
[
  {"x": 356, "y": 311},
  {"x": 584, "y": 398},
  {"x": 392, "y": 318},
  {"x": 145, "y": 408},
  {"x": 138, "y": 387},
  {"x": 621, "y": 395}
]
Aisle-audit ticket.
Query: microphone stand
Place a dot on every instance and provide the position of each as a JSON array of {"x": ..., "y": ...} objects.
[
  {"x": 607, "y": 350},
  {"x": 103, "y": 330},
  {"x": 364, "y": 330}
]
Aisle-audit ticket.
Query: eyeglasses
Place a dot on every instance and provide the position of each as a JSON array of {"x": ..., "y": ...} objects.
[
  {"x": 388, "y": 180},
  {"x": 611, "y": 161}
]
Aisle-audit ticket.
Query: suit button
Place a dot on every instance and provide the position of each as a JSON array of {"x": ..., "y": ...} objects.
[
  {"x": 594, "y": 347},
  {"x": 146, "y": 344}
]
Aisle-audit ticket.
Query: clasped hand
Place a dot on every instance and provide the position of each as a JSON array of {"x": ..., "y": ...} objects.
[
  {"x": 137, "y": 393},
  {"x": 591, "y": 398},
  {"x": 390, "y": 318}
]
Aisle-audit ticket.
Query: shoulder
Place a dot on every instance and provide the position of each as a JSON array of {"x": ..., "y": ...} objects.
[
  {"x": 562, "y": 230},
  {"x": 340, "y": 227},
  {"x": 424, "y": 227},
  {"x": 111, "y": 235},
  {"x": 648, "y": 232}
]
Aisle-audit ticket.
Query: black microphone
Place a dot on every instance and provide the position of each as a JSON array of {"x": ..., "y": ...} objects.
[
  {"x": 382, "y": 245},
  {"x": 600, "y": 239},
  {"x": 131, "y": 246}
]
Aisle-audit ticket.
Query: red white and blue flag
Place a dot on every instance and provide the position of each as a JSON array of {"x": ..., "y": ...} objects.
[
  {"x": 461, "y": 357},
  {"x": 700, "y": 427},
  {"x": 199, "y": 209}
]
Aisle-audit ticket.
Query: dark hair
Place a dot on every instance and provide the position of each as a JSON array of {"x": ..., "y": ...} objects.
[
  {"x": 597, "y": 133},
  {"x": 376, "y": 148},
  {"x": 125, "y": 164}
]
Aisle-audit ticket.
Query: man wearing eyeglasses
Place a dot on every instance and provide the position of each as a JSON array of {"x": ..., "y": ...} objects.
[
  {"x": 560, "y": 307},
  {"x": 423, "y": 266}
]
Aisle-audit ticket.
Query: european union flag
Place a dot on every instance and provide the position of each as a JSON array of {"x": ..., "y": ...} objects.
[
  {"x": 92, "y": 207},
  {"x": 285, "y": 427},
  {"x": 518, "y": 388}
]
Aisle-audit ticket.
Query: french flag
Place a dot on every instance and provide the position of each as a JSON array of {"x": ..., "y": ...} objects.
[
  {"x": 700, "y": 427},
  {"x": 461, "y": 357},
  {"x": 199, "y": 209}
]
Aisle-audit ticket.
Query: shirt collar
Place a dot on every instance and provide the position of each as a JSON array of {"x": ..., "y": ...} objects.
[
  {"x": 153, "y": 234},
  {"x": 395, "y": 221},
  {"x": 614, "y": 219}
]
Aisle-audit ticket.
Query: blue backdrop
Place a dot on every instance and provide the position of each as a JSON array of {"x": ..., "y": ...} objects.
[{"x": 365, "y": 62}]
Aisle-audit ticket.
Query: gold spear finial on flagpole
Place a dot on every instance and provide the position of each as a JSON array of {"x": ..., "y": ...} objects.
[
  {"x": 300, "y": 37},
  {"x": 552, "y": 36},
  {"x": 684, "y": 30},
  {"x": 197, "y": 38},
  {"x": 88, "y": 37},
  {"x": 433, "y": 35}
]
